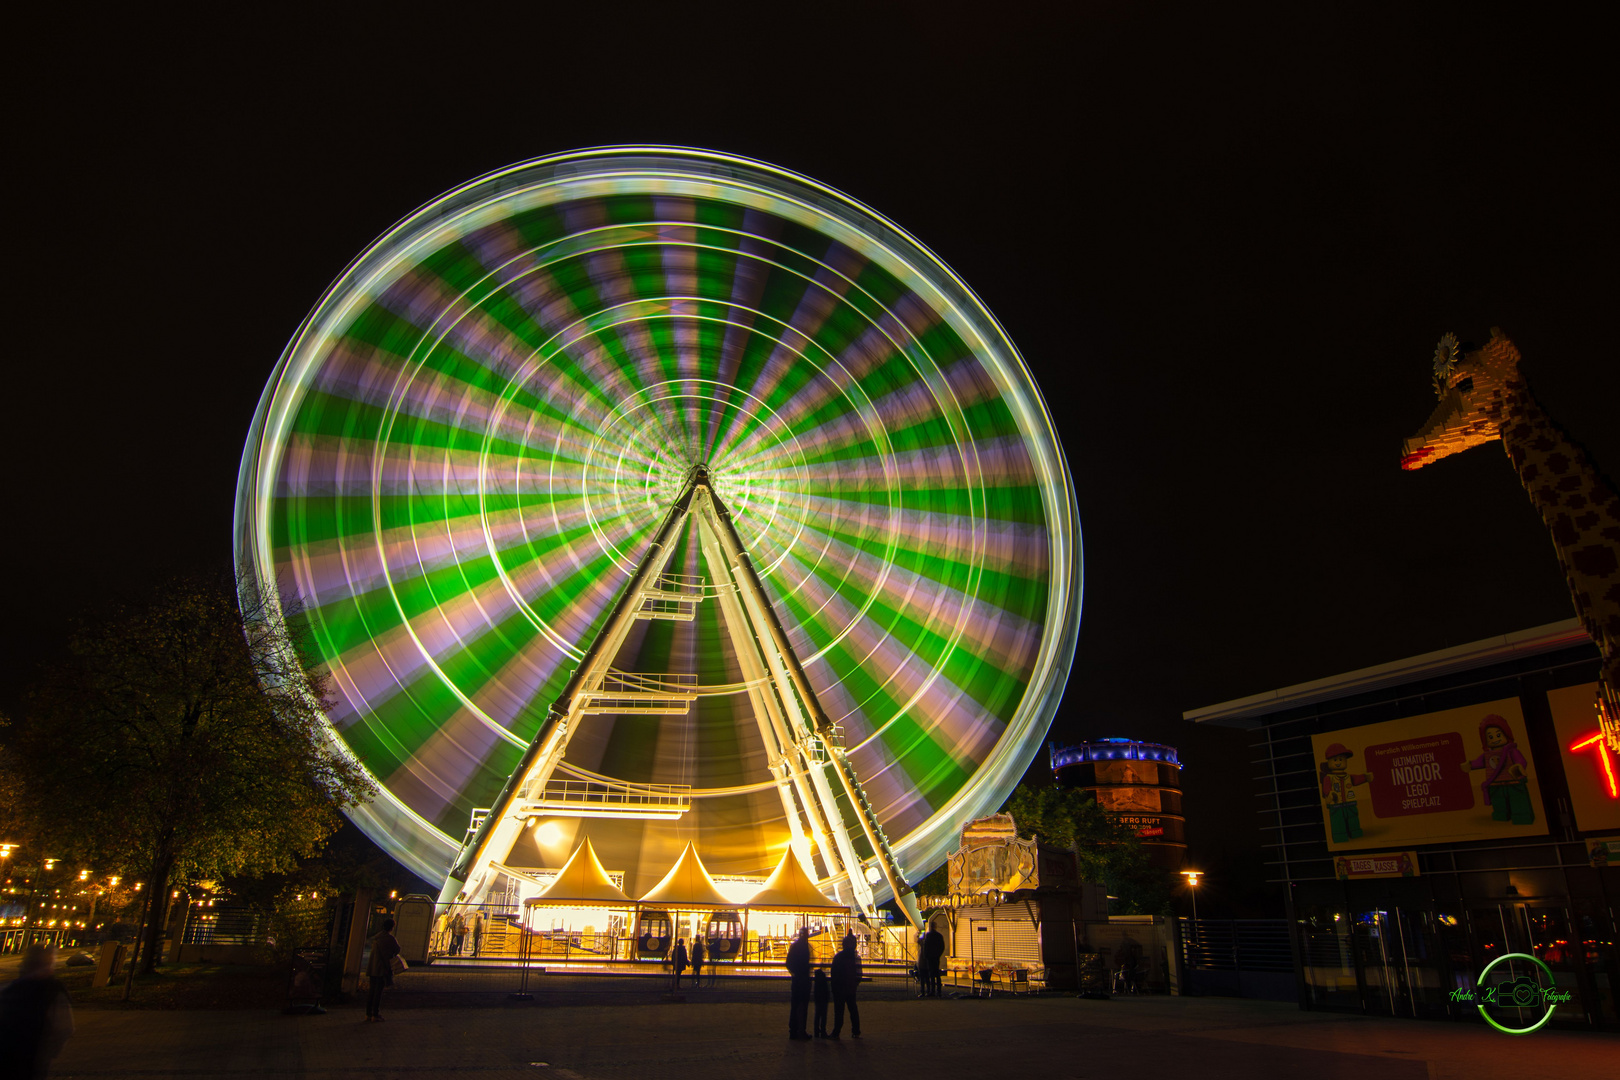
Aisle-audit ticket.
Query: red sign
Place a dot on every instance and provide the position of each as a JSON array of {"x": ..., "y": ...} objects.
[
  {"x": 1419, "y": 776},
  {"x": 1390, "y": 864},
  {"x": 1149, "y": 832}
]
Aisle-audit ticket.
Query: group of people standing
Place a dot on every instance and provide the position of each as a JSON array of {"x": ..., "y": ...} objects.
[
  {"x": 680, "y": 959},
  {"x": 841, "y": 988},
  {"x": 455, "y": 928}
]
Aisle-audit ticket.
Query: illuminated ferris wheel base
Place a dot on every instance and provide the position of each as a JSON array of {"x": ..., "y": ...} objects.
[
  {"x": 667, "y": 496},
  {"x": 803, "y": 742}
]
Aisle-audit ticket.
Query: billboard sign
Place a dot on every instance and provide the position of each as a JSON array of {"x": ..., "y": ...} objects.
[{"x": 1459, "y": 774}]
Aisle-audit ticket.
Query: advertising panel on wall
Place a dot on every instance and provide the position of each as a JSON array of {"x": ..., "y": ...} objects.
[
  {"x": 1459, "y": 774},
  {"x": 1589, "y": 764},
  {"x": 1383, "y": 865}
]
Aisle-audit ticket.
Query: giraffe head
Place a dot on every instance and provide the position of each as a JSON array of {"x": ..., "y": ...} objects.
[{"x": 1473, "y": 391}]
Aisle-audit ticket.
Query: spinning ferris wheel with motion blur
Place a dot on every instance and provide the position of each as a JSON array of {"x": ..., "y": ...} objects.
[{"x": 659, "y": 495}]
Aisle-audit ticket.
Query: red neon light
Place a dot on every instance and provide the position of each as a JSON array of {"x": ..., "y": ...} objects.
[{"x": 1603, "y": 756}]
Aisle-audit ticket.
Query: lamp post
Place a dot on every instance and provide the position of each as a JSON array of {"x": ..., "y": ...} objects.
[{"x": 1192, "y": 877}]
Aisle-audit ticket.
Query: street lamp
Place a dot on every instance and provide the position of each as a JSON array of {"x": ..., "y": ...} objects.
[{"x": 1192, "y": 877}]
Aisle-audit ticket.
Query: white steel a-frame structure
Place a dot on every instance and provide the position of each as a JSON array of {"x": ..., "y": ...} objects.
[{"x": 801, "y": 741}]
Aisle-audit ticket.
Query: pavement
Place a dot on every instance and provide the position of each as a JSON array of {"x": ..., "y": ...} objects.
[{"x": 720, "y": 1039}]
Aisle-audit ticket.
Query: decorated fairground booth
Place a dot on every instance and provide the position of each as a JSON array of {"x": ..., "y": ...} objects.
[
  {"x": 680, "y": 504},
  {"x": 1017, "y": 915}
]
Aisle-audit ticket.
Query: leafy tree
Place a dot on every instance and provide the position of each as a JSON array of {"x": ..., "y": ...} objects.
[
  {"x": 1108, "y": 851},
  {"x": 184, "y": 739},
  {"x": 16, "y": 824}
]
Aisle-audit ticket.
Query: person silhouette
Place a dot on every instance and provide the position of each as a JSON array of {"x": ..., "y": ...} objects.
[
  {"x": 697, "y": 962},
  {"x": 35, "y": 1017},
  {"x": 928, "y": 967},
  {"x": 798, "y": 966},
  {"x": 846, "y": 980},
  {"x": 678, "y": 960},
  {"x": 823, "y": 993}
]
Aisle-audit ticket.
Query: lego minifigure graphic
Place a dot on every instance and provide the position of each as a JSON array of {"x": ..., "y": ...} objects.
[
  {"x": 1507, "y": 783},
  {"x": 1339, "y": 792}
]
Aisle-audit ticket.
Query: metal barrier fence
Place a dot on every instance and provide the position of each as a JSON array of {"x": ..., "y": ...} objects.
[
  {"x": 226, "y": 926},
  {"x": 1236, "y": 945},
  {"x": 497, "y": 932},
  {"x": 1238, "y": 958}
]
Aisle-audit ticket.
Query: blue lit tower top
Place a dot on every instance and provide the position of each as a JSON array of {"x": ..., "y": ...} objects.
[{"x": 1137, "y": 782}]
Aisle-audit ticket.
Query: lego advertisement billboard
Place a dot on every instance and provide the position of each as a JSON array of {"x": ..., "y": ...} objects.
[
  {"x": 1589, "y": 764},
  {"x": 1459, "y": 774}
]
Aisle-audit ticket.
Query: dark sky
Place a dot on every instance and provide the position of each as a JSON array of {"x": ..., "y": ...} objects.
[{"x": 1225, "y": 237}]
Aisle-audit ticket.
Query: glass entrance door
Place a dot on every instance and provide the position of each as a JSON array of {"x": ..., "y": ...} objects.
[
  {"x": 1380, "y": 982},
  {"x": 1553, "y": 943}
]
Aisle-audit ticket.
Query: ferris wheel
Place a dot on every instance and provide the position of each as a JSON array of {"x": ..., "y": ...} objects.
[{"x": 657, "y": 495}]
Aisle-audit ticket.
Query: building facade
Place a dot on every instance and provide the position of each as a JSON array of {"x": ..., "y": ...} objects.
[
  {"x": 1433, "y": 814},
  {"x": 1139, "y": 783}
]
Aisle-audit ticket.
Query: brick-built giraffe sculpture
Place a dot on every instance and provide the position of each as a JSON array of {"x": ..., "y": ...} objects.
[{"x": 1483, "y": 397}]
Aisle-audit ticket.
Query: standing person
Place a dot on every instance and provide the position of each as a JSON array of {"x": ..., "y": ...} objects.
[
  {"x": 823, "y": 993},
  {"x": 678, "y": 960},
  {"x": 697, "y": 961},
  {"x": 846, "y": 980},
  {"x": 798, "y": 965},
  {"x": 477, "y": 931},
  {"x": 380, "y": 969},
  {"x": 35, "y": 1017},
  {"x": 933, "y": 957},
  {"x": 441, "y": 932},
  {"x": 458, "y": 932}
]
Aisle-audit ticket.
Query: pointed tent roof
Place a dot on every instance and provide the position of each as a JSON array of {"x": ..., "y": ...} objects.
[
  {"x": 789, "y": 888},
  {"x": 582, "y": 880},
  {"x": 688, "y": 884}
]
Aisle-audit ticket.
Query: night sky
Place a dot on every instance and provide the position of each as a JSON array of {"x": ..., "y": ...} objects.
[{"x": 1225, "y": 238}]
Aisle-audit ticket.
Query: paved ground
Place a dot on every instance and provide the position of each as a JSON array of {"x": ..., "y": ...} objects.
[{"x": 720, "y": 1040}]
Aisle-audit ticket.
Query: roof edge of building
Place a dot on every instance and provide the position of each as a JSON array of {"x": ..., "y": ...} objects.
[{"x": 1242, "y": 712}]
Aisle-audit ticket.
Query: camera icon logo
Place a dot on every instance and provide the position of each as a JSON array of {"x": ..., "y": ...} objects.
[
  {"x": 1517, "y": 1002},
  {"x": 1521, "y": 993}
]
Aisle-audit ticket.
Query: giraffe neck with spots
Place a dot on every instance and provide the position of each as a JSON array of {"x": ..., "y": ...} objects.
[{"x": 1582, "y": 514}]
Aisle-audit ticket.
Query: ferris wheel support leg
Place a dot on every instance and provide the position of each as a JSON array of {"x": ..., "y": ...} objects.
[
  {"x": 499, "y": 830},
  {"x": 763, "y": 696},
  {"x": 782, "y": 656},
  {"x": 828, "y": 822}
]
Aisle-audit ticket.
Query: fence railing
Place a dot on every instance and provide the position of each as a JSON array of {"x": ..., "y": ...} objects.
[
  {"x": 226, "y": 926},
  {"x": 1257, "y": 945}
]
